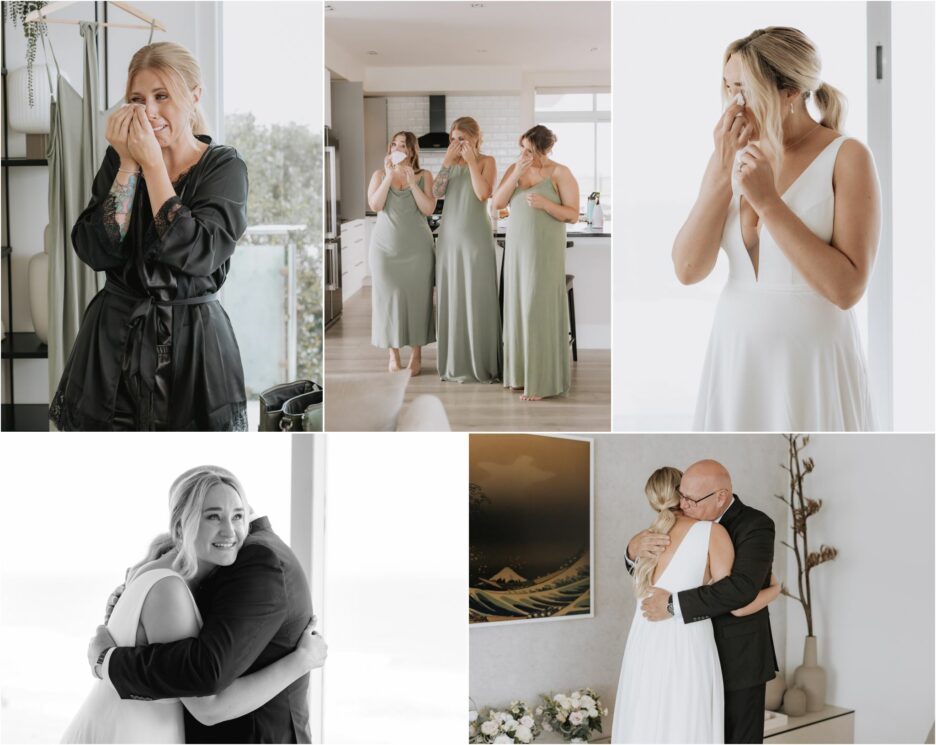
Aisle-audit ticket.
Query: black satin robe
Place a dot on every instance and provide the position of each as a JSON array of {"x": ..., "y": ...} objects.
[{"x": 155, "y": 350}]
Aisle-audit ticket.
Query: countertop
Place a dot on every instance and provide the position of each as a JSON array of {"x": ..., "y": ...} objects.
[{"x": 576, "y": 231}]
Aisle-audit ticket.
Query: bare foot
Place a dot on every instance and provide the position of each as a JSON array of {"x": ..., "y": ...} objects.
[
  {"x": 415, "y": 363},
  {"x": 531, "y": 398},
  {"x": 394, "y": 365}
]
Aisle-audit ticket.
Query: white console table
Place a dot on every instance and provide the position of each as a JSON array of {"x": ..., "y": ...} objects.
[{"x": 831, "y": 725}]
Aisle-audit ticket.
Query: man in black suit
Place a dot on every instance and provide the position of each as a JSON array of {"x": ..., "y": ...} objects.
[
  {"x": 254, "y": 612},
  {"x": 745, "y": 644}
]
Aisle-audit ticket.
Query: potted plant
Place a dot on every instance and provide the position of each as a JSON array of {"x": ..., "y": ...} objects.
[
  {"x": 809, "y": 676},
  {"x": 16, "y": 11}
]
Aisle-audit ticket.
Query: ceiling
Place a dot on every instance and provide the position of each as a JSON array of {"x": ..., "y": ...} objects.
[{"x": 540, "y": 35}]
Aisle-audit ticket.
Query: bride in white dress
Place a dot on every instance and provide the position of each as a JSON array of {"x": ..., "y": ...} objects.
[
  {"x": 796, "y": 207},
  {"x": 209, "y": 519},
  {"x": 670, "y": 690}
]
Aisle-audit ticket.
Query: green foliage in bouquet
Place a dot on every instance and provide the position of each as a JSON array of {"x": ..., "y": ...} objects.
[{"x": 574, "y": 716}]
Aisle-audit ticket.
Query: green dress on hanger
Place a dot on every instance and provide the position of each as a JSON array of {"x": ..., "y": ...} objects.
[
  {"x": 536, "y": 313},
  {"x": 469, "y": 326},
  {"x": 402, "y": 266}
]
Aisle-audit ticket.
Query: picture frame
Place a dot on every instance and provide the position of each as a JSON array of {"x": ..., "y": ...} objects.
[{"x": 531, "y": 528}]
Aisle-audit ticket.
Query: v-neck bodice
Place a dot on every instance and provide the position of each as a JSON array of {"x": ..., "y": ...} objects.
[{"x": 811, "y": 198}]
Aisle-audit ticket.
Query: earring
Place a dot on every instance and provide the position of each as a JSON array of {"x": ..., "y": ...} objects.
[{"x": 791, "y": 108}]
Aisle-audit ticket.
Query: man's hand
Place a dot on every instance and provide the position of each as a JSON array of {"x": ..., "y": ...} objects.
[
  {"x": 647, "y": 545},
  {"x": 99, "y": 642},
  {"x": 112, "y": 601},
  {"x": 654, "y": 605}
]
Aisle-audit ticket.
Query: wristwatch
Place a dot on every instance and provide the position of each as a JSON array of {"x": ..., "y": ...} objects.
[
  {"x": 669, "y": 606},
  {"x": 98, "y": 670}
]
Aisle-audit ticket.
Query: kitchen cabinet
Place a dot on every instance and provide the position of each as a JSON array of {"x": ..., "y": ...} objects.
[
  {"x": 370, "y": 222},
  {"x": 353, "y": 257}
]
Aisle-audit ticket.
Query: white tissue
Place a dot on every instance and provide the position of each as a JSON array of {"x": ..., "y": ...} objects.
[{"x": 397, "y": 156}]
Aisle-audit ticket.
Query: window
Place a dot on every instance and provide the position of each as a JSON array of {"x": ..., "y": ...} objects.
[
  {"x": 581, "y": 121},
  {"x": 395, "y": 605},
  {"x": 274, "y": 292}
]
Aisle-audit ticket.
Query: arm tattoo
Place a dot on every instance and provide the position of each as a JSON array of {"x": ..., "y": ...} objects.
[
  {"x": 438, "y": 186},
  {"x": 118, "y": 206}
]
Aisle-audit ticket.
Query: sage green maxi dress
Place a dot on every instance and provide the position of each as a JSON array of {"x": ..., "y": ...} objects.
[
  {"x": 469, "y": 326},
  {"x": 536, "y": 313},
  {"x": 402, "y": 265}
]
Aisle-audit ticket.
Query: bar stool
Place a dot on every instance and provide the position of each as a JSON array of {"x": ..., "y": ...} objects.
[{"x": 570, "y": 295}]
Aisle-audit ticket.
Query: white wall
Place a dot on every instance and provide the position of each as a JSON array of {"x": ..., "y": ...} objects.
[
  {"x": 914, "y": 120},
  {"x": 194, "y": 25},
  {"x": 874, "y": 603},
  {"x": 529, "y": 659}
]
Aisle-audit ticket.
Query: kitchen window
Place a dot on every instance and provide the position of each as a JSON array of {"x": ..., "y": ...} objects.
[{"x": 581, "y": 120}]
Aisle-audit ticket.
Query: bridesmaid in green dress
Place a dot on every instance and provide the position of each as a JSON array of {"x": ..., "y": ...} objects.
[
  {"x": 401, "y": 257},
  {"x": 543, "y": 196},
  {"x": 466, "y": 275}
]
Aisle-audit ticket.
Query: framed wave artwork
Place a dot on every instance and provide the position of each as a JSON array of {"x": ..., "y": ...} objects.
[{"x": 531, "y": 503}]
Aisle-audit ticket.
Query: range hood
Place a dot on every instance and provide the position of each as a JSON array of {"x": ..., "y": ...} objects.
[{"x": 437, "y": 138}]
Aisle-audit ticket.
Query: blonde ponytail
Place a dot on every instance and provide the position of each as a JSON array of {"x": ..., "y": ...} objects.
[
  {"x": 832, "y": 106},
  {"x": 662, "y": 492}
]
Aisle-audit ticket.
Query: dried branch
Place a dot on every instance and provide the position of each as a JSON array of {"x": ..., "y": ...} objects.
[{"x": 801, "y": 509}]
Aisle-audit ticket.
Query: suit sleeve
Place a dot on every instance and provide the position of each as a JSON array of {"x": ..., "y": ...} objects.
[
  {"x": 753, "y": 560},
  {"x": 248, "y": 608},
  {"x": 95, "y": 234},
  {"x": 198, "y": 238}
]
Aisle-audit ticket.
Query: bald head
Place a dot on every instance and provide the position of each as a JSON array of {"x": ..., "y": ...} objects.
[{"x": 709, "y": 481}]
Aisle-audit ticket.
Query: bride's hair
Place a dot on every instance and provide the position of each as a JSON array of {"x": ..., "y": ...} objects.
[
  {"x": 662, "y": 492},
  {"x": 780, "y": 58},
  {"x": 186, "y": 500}
]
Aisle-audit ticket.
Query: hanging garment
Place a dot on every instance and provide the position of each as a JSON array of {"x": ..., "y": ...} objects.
[{"x": 76, "y": 147}]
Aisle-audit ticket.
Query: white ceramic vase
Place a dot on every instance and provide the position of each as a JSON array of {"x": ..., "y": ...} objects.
[
  {"x": 38, "y": 273},
  {"x": 35, "y": 119},
  {"x": 811, "y": 677}
]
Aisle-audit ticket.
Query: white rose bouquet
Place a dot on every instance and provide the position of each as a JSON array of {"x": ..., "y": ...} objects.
[
  {"x": 574, "y": 716},
  {"x": 515, "y": 725}
]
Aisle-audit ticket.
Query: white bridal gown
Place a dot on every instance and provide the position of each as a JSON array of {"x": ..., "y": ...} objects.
[
  {"x": 781, "y": 357},
  {"x": 105, "y": 717},
  {"x": 671, "y": 683}
]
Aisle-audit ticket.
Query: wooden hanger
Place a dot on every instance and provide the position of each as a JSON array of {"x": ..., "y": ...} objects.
[{"x": 43, "y": 15}]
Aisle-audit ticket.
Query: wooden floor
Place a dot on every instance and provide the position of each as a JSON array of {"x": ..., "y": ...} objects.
[{"x": 477, "y": 407}]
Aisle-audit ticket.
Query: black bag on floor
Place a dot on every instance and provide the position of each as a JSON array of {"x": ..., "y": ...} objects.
[{"x": 292, "y": 407}]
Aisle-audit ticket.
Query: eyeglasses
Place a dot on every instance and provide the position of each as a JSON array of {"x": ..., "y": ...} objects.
[{"x": 700, "y": 499}]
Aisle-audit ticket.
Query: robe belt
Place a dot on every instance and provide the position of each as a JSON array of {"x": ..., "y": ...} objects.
[{"x": 144, "y": 314}]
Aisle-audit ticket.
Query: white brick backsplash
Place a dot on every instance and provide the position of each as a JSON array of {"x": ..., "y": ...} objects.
[{"x": 498, "y": 117}]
